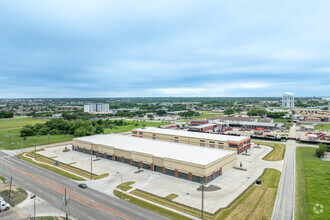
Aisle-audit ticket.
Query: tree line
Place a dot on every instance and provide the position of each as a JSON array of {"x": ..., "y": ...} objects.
[
  {"x": 6, "y": 114},
  {"x": 77, "y": 127}
]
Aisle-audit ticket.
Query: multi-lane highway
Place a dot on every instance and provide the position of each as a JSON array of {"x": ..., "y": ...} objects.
[{"x": 85, "y": 203}]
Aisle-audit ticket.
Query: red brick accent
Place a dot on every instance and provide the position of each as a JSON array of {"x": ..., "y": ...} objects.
[
  {"x": 213, "y": 175},
  {"x": 105, "y": 155},
  {"x": 141, "y": 164},
  {"x": 98, "y": 154},
  {"x": 152, "y": 167},
  {"x": 190, "y": 176},
  {"x": 131, "y": 162},
  {"x": 205, "y": 179},
  {"x": 84, "y": 150},
  {"x": 91, "y": 152},
  {"x": 78, "y": 149},
  {"x": 122, "y": 159},
  {"x": 163, "y": 170},
  {"x": 176, "y": 173},
  {"x": 220, "y": 171},
  {"x": 113, "y": 157}
]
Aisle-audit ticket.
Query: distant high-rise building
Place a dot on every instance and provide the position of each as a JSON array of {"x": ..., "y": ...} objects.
[
  {"x": 96, "y": 108},
  {"x": 288, "y": 100}
]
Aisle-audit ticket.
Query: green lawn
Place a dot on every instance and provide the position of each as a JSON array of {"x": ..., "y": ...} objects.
[
  {"x": 281, "y": 120},
  {"x": 125, "y": 186},
  {"x": 276, "y": 154},
  {"x": 152, "y": 207},
  {"x": 312, "y": 184},
  {"x": 132, "y": 125},
  {"x": 322, "y": 126},
  {"x": 20, "y": 122},
  {"x": 208, "y": 114}
]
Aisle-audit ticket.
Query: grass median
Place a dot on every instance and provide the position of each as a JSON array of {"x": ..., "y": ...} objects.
[
  {"x": 67, "y": 167},
  {"x": 125, "y": 186},
  {"x": 276, "y": 154},
  {"x": 312, "y": 185},
  {"x": 152, "y": 207},
  {"x": 53, "y": 169}
]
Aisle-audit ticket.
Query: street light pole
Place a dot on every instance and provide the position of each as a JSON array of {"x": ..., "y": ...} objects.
[
  {"x": 34, "y": 206},
  {"x": 202, "y": 200},
  {"x": 48, "y": 138},
  {"x": 35, "y": 151},
  {"x": 3, "y": 161},
  {"x": 91, "y": 166}
]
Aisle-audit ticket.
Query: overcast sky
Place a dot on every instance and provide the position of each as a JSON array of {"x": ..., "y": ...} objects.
[{"x": 69, "y": 48}]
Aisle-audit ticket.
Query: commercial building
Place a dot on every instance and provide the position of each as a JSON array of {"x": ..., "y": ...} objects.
[
  {"x": 227, "y": 142},
  {"x": 198, "y": 122},
  {"x": 96, "y": 108},
  {"x": 198, "y": 164},
  {"x": 203, "y": 127},
  {"x": 288, "y": 100}
]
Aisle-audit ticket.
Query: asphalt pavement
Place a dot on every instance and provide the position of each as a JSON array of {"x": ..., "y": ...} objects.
[
  {"x": 285, "y": 198},
  {"x": 96, "y": 205}
]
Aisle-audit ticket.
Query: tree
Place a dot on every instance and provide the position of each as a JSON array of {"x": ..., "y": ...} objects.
[
  {"x": 27, "y": 131},
  {"x": 229, "y": 111},
  {"x": 150, "y": 116},
  {"x": 161, "y": 112}
]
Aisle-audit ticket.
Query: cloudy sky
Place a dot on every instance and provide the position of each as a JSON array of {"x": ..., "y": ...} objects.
[{"x": 81, "y": 48}]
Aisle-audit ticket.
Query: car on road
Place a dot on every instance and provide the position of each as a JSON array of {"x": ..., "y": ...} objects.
[
  {"x": 82, "y": 185},
  {"x": 4, "y": 206}
]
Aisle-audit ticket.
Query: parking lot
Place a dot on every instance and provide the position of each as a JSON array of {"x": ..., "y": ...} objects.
[{"x": 232, "y": 183}]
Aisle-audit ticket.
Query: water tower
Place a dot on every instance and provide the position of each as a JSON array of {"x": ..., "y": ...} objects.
[{"x": 288, "y": 100}]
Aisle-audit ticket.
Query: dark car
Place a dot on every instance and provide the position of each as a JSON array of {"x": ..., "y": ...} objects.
[{"x": 82, "y": 185}]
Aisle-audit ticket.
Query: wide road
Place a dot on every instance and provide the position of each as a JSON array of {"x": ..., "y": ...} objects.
[
  {"x": 85, "y": 203},
  {"x": 285, "y": 198}
]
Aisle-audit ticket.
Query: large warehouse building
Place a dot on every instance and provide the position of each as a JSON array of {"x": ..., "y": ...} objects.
[
  {"x": 184, "y": 161},
  {"x": 227, "y": 142}
]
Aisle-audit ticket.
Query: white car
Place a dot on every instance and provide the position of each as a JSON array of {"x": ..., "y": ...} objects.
[{"x": 4, "y": 206}]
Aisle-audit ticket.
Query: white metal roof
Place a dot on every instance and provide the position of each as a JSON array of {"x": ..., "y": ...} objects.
[
  {"x": 217, "y": 137},
  {"x": 163, "y": 149},
  {"x": 203, "y": 126}
]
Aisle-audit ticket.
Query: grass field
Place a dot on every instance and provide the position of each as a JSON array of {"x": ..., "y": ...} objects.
[
  {"x": 10, "y": 133},
  {"x": 255, "y": 203},
  {"x": 276, "y": 154},
  {"x": 322, "y": 126},
  {"x": 281, "y": 120},
  {"x": 312, "y": 185},
  {"x": 132, "y": 125},
  {"x": 16, "y": 196},
  {"x": 19, "y": 122},
  {"x": 152, "y": 207},
  {"x": 208, "y": 114}
]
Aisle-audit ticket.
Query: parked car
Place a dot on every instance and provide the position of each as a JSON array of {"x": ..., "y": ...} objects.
[
  {"x": 82, "y": 185},
  {"x": 4, "y": 206}
]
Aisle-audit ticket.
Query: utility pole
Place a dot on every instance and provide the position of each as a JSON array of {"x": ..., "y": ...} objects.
[
  {"x": 35, "y": 151},
  {"x": 3, "y": 160},
  {"x": 11, "y": 180},
  {"x": 202, "y": 200},
  {"x": 65, "y": 203},
  {"x": 34, "y": 207},
  {"x": 91, "y": 166}
]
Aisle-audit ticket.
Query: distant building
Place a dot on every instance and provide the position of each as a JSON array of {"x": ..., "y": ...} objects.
[
  {"x": 96, "y": 108},
  {"x": 288, "y": 100}
]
